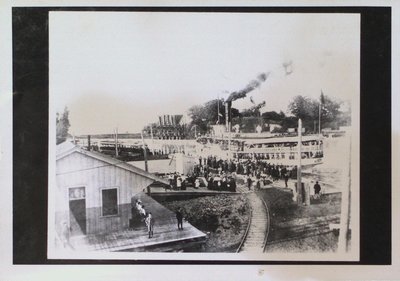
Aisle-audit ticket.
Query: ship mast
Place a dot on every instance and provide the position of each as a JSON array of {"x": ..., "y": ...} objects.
[{"x": 319, "y": 126}]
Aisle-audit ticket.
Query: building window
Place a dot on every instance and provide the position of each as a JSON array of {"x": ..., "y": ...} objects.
[{"x": 109, "y": 202}]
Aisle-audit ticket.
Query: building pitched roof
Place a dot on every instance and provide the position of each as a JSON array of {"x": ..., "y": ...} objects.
[{"x": 66, "y": 148}]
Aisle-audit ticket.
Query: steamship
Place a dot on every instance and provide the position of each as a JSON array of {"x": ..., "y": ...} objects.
[{"x": 274, "y": 150}]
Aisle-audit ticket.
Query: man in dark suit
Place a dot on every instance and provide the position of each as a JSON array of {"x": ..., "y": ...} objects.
[
  {"x": 317, "y": 190},
  {"x": 179, "y": 217}
]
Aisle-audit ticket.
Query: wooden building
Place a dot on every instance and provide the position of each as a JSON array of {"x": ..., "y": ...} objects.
[{"x": 94, "y": 191}]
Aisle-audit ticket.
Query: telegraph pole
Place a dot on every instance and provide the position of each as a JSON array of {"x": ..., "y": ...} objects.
[
  {"x": 299, "y": 187},
  {"x": 343, "y": 243}
]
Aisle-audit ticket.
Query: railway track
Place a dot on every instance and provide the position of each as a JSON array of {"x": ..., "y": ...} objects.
[
  {"x": 255, "y": 238},
  {"x": 258, "y": 235}
]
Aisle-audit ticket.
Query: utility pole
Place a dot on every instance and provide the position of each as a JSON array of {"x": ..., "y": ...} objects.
[
  {"x": 343, "y": 243},
  {"x": 144, "y": 153},
  {"x": 299, "y": 187}
]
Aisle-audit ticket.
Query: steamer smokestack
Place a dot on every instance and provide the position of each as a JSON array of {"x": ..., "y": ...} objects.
[{"x": 242, "y": 94}]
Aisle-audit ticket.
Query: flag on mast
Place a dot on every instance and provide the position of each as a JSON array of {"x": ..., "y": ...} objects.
[{"x": 218, "y": 110}]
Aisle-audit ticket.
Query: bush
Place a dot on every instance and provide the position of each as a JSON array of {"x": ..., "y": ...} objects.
[
  {"x": 224, "y": 216},
  {"x": 277, "y": 198},
  {"x": 206, "y": 220},
  {"x": 236, "y": 224}
]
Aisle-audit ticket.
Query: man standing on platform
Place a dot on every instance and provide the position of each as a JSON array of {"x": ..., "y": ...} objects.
[
  {"x": 317, "y": 190},
  {"x": 150, "y": 224},
  {"x": 249, "y": 181},
  {"x": 179, "y": 182},
  {"x": 286, "y": 177},
  {"x": 179, "y": 217}
]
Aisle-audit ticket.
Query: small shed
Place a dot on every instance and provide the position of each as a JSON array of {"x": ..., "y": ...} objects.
[{"x": 94, "y": 191}]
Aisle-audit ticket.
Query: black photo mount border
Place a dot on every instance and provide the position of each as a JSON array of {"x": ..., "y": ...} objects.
[{"x": 30, "y": 131}]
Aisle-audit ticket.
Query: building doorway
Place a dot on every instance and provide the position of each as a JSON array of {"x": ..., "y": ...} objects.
[{"x": 77, "y": 211}]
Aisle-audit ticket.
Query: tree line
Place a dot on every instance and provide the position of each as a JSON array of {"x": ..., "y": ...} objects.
[
  {"x": 326, "y": 110},
  {"x": 203, "y": 116}
]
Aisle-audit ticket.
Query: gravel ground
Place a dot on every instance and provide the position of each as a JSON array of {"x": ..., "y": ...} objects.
[
  {"x": 319, "y": 243},
  {"x": 296, "y": 228}
]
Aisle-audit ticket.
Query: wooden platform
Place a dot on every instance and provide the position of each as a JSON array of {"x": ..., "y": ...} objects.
[
  {"x": 190, "y": 191},
  {"x": 166, "y": 233}
]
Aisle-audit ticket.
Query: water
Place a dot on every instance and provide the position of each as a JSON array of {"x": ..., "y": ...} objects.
[
  {"x": 153, "y": 144},
  {"x": 332, "y": 174}
]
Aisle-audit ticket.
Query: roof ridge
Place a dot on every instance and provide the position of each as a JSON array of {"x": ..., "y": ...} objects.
[{"x": 112, "y": 161}]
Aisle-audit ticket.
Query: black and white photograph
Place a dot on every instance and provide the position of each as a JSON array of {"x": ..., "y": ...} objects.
[
  {"x": 179, "y": 140},
  {"x": 222, "y": 135}
]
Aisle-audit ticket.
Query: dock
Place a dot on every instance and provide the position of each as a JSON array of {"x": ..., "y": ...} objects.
[
  {"x": 189, "y": 192},
  {"x": 166, "y": 237}
]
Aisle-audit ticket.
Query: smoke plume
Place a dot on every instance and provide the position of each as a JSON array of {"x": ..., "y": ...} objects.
[{"x": 250, "y": 87}]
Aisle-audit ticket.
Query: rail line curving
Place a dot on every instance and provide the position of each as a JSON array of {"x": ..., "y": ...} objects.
[
  {"x": 257, "y": 239},
  {"x": 246, "y": 232},
  {"x": 268, "y": 223}
]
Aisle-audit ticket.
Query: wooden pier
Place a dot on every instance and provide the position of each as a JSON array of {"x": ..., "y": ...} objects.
[{"x": 166, "y": 234}]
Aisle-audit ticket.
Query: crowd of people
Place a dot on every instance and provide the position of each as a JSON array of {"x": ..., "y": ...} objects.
[
  {"x": 221, "y": 182},
  {"x": 251, "y": 168},
  {"x": 180, "y": 182},
  {"x": 221, "y": 175},
  {"x": 245, "y": 167},
  {"x": 201, "y": 178}
]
